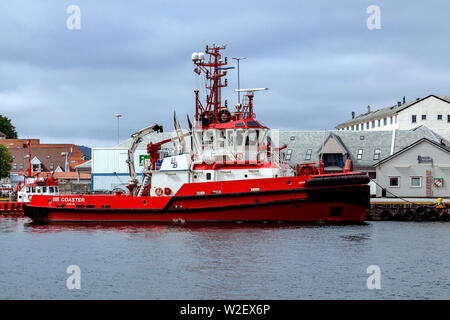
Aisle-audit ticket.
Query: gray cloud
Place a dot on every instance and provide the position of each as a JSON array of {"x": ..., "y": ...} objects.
[{"x": 317, "y": 57}]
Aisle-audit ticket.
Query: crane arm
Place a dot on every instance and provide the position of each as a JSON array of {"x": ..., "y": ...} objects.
[{"x": 137, "y": 138}]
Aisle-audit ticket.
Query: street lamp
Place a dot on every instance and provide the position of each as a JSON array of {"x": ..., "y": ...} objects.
[
  {"x": 117, "y": 115},
  {"x": 239, "y": 85}
]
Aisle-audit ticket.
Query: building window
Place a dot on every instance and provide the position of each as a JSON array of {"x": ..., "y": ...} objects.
[
  {"x": 394, "y": 182},
  {"x": 416, "y": 182},
  {"x": 348, "y": 128},
  {"x": 379, "y": 123},
  {"x": 52, "y": 166},
  {"x": 288, "y": 154},
  {"x": 21, "y": 166},
  {"x": 360, "y": 154},
  {"x": 392, "y": 120},
  {"x": 424, "y": 117},
  {"x": 373, "y": 124},
  {"x": 357, "y": 127},
  {"x": 292, "y": 139},
  {"x": 367, "y": 125},
  {"x": 448, "y": 118},
  {"x": 333, "y": 160},
  {"x": 15, "y": 166},
  {"x": 413, "y": 118},
  {"x": 308, "y": 154},
  {"x": 385, "y": 122},
  {"x": 362, "y": 126},
  {"x": 353, "y": 128},
  {"x": 376, "y": 154},
  {"x": 439, "y": 116}
]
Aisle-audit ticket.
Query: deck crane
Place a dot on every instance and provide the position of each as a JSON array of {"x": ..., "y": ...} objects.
[
  {"x": 152, "y": 150},
  {"x": 137, "y": 138}
]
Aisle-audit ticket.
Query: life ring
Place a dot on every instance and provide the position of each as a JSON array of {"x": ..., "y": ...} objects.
[
  {"x": 167, "y": 191},
  {"x": 239, "y": 156},
  {"x": 159, "y": 191},
  {"x": 224, "y": 116},
  {"x": 194, "y": 157},
  {"x": 29, "y": 197}
]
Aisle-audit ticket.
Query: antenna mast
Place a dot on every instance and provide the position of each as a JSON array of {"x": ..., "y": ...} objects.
[{"x": 214, "y": 70}]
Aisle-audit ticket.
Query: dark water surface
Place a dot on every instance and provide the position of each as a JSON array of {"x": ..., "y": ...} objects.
[{"x": 236, "y": 261}]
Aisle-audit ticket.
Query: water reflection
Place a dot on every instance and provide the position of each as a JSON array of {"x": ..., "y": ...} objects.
[{"x": 140, "y": 227}]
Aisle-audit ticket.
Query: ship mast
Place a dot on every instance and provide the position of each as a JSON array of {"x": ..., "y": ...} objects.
[{"x": 214, "y": 69}]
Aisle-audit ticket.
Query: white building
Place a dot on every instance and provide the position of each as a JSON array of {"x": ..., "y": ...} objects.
[
  {"x": 422, "y": 169},
  {"x": 431, "y": 111}
]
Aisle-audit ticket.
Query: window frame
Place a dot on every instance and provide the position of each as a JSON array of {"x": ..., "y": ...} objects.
[
  {"x": 415, "y": 177},
  {"x": 308, "y": 154},
  {"x": 360, "y": 154},
  {"x": 377, "y": 153},
  {"x": 398, "y": 182}
]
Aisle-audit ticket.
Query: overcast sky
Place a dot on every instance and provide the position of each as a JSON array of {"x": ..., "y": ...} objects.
[{"x": 318, "y": 59}]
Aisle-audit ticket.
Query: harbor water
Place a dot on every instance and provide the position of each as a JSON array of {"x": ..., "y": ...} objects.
[{"x": 225, "y": 261}]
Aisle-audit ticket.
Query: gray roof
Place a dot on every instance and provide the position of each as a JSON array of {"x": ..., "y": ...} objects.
[
  {"x": 385, "y": 112},
  {"x": 304, "y": 140},
  {"x": 439, "y": 145}
]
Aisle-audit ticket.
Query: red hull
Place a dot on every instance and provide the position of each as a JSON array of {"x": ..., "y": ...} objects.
[{"x": 293, "y": 202}]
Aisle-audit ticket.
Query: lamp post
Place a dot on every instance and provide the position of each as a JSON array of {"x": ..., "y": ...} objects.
[
  {"x": 239, "y": 84},
  {"x": 117, "y": 115}
]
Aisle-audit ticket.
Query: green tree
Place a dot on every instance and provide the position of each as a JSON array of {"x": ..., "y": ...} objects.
[
  {"x": 7, "y": 128},
  {"x": 5, "y": 162}
]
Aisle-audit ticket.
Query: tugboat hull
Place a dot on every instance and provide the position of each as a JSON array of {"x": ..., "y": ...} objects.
[{"x": 335, "y": 203}]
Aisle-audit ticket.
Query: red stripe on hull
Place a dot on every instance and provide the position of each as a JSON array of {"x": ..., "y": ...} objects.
[{"x": 287, "y": 212}]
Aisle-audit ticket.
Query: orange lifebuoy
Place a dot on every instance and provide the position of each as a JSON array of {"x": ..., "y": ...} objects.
[
  {"x": 194, "y": 157},
  {"x": 159, "y": 191},
  {"x": 167, "y": 191},
  {"x": 239, "y": 156}
]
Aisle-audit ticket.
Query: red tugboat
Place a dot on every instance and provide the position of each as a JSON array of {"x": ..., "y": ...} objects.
[
  {"x": 234, "y": 172},
  {"x": 33, "y": 184}
]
